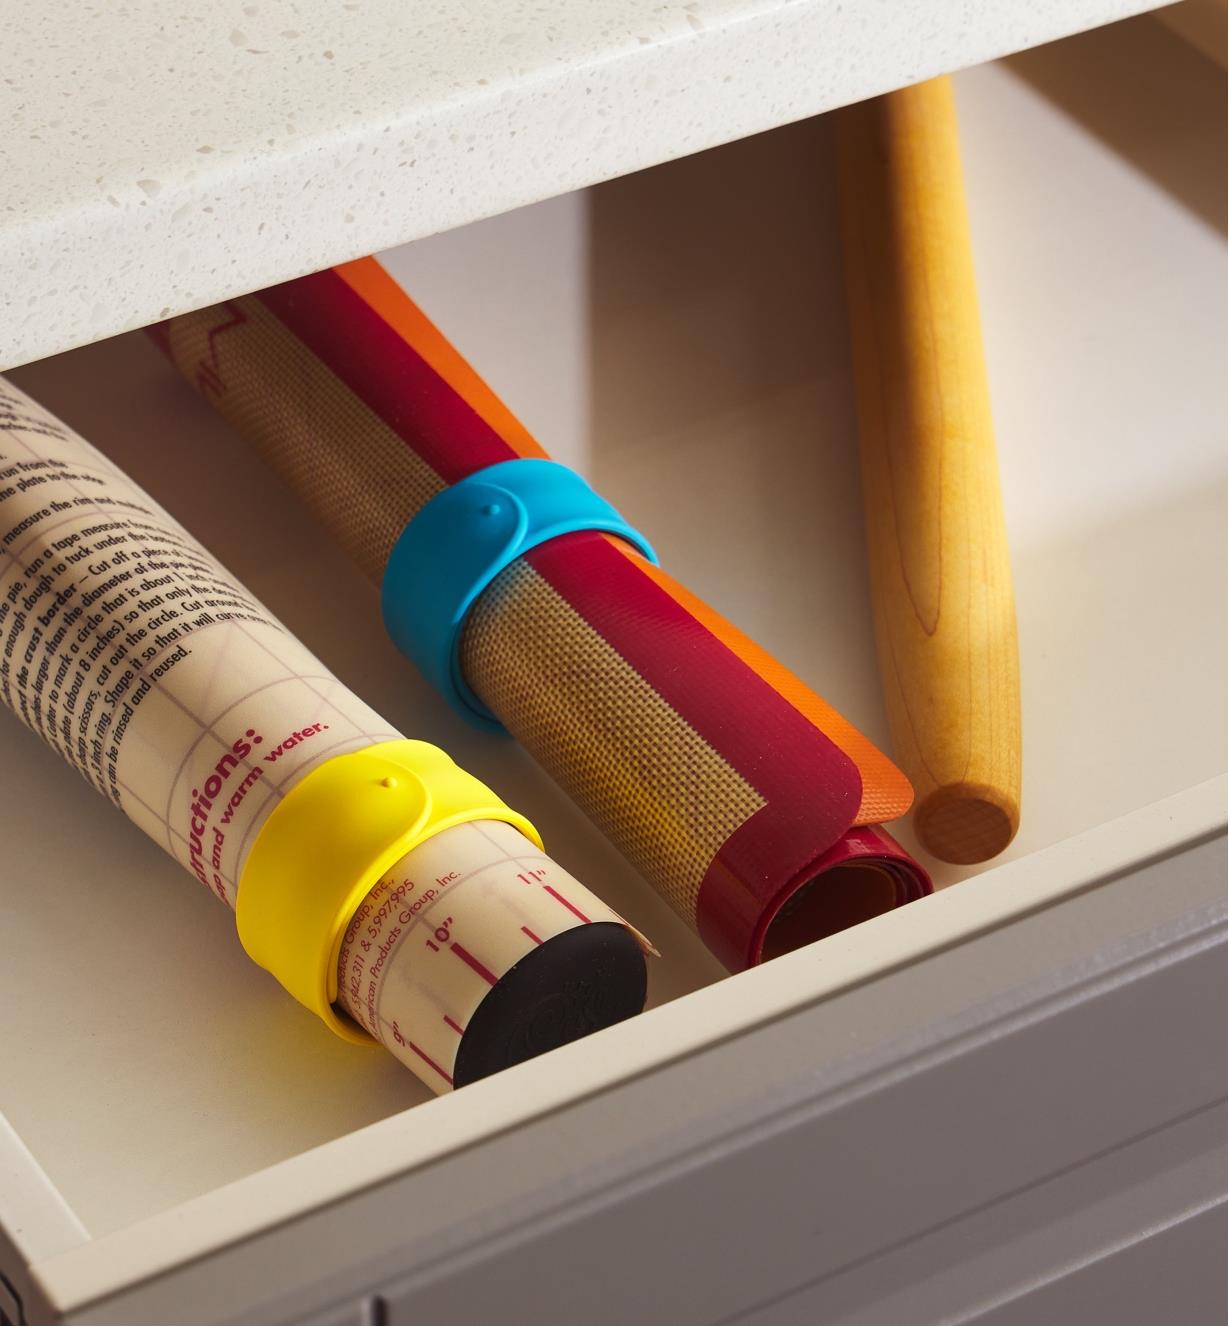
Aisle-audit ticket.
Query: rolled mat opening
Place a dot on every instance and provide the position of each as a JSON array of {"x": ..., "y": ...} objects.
[{"x": 835, "y": 900}]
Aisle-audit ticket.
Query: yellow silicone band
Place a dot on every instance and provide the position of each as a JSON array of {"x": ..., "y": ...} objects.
[{"x": 325, "y": 846}]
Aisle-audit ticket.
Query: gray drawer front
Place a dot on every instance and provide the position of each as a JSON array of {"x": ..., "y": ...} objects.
[
  {"x": 1038, "y": 1167},
  {"x": 1026, "y": 1126}
]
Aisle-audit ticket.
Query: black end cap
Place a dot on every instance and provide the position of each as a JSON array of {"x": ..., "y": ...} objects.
[{"x": 578, "y": 982}]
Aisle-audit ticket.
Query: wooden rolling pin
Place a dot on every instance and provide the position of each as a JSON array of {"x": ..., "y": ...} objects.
[
  {"x": 1200, "y": 23},
  {"x": 940, "y": 572}
]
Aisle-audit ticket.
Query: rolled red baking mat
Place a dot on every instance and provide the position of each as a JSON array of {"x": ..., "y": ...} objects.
[
  {"x": 389, "y": 891},
  {"x": 748, "y": 802}
]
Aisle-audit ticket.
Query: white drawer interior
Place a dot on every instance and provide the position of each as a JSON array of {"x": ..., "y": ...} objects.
[{"x": 679, "y": 336}]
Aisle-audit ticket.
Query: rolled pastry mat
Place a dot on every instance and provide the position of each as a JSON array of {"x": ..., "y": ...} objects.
[
  {"x": 744, "y": 798},
  {"x": 132, "y": 652}
]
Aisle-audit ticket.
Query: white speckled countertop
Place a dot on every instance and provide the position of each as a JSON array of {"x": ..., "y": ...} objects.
[{"x": 158, "y": 156}]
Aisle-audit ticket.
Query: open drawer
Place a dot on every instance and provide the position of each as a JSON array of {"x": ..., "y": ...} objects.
[{"x": 1019, "y": 1079}]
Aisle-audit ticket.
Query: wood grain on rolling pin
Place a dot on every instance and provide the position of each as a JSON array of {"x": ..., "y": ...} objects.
[{"x": 940, "y": 571}]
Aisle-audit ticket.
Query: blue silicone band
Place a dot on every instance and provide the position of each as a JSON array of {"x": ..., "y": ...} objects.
[{"x": 461, "y": 540}]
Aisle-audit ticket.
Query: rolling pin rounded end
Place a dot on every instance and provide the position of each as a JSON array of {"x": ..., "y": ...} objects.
[{"x": 965, "y": 823}]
